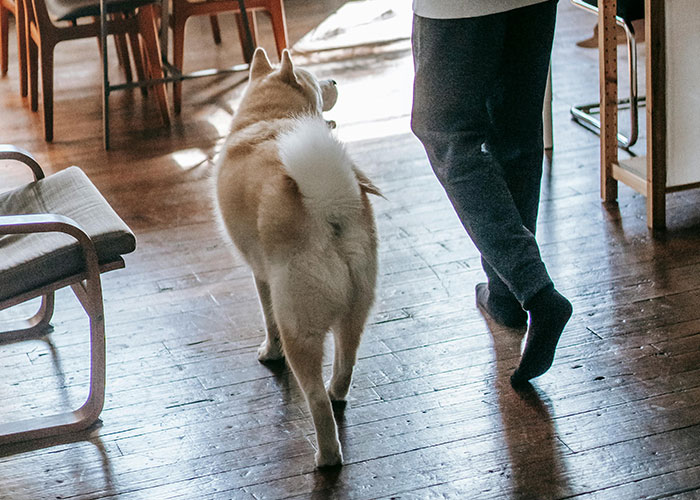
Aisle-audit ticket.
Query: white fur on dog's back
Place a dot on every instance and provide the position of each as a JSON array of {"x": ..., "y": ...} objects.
[{"x": 320, "y": 166}]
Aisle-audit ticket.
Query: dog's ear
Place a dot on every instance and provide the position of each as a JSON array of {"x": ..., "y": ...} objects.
[
  {"x": 287, "y": 70},
  {"x": 260, "y": 66}
]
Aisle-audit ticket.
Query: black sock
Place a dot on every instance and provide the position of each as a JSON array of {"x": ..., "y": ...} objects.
[
  {"x": 549, "y": 313},
  {"x": 504, "y": 310}
]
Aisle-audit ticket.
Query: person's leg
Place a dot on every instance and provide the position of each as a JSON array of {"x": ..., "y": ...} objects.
[
  {"x": 515, "y": 137},
  {"x": 516, "y": 134},
  {"x": 457, "y": 62},
  {"x": 516, "y": 142}
]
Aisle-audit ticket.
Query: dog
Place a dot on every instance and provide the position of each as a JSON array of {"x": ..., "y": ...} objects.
[{"x": 297, "y": 208}]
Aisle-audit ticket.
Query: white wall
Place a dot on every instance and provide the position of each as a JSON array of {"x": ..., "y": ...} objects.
[{"x": 683, "y": 91}]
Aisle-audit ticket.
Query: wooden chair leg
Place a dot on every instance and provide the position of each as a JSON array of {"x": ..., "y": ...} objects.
[
  {"x": 215, "y": 30},
  {"x": 33, "y": 62},
  {"x": 137, "y": 54},
  {"x": 22, "y": 50},
  {"x": 46, "y": 56},
  {"x": 275, "y": 10},
  {"x": 123, "y": 56},
  {"x": 149, "y": 32},
  {"x": 90, "y": 295},
  {"x": 4, "y": 38},
  {"x": 607, "y": 64},
  {"x": 144, "y": 58}
]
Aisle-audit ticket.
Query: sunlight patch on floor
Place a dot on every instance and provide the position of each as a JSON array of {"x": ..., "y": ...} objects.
[{"x": 188, "y": 159}]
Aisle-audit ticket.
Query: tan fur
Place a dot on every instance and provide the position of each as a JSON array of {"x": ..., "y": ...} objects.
[{"x": 312, "y": 275}]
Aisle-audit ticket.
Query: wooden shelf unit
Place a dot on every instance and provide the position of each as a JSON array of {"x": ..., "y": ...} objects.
[{"x": 672, "y": 111}]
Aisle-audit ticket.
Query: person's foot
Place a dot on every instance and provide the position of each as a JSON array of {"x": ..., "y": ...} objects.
[
  {"x": 504, "y": 310},
  {"x": 549, "y": 313},
  {"x": 592, "y": 41}
]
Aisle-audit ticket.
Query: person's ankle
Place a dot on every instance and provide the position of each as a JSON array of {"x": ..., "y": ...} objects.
[
  {"x": 505, "y": 311},
  {"x": 541, "y": 300}
]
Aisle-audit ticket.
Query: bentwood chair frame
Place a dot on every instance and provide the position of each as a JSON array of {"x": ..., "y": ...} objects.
[{"x": 87, "y": 288}]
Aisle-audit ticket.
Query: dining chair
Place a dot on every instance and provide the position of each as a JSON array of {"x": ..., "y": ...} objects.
[
  {"x": 122, "y": 43},
  {"x": 53, "y": 21},
  {"x": 16, "y": 9},
  {"x": 586, "y": 114},
  {"x": 57, "y": 231},
  {"x": 182, "y": 10}
]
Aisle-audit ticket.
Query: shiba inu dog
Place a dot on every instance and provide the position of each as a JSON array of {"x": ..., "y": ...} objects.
[{"x": 297, "y": 208}]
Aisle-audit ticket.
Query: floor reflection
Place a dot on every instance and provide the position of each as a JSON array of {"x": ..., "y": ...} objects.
[{"x": 529, "y": 430}]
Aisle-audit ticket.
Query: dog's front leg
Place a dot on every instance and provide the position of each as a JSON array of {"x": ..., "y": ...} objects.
[
  {"x": 271, "y": 348},
  {"x": 305, "y": 357}
]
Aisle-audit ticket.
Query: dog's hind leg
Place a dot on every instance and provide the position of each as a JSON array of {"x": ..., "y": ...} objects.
[
  {"x": 347, "y": 336},
  {"x": 304, "y": 352},
  {"x": 271, "y": 348}
]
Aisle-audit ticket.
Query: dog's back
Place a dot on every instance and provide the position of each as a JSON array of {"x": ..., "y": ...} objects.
[
  {"x": 297, "y": 208},
  {"x": 319, "y": 241}
]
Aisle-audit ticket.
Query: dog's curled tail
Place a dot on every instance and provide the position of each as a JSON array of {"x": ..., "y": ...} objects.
[{"x": 322, "y": 169}]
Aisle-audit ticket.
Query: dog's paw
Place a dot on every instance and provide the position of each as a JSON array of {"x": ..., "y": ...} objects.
[
  {"x": 332, "y": 458},
  {"x": 337, "y": 403},
  {"x": 268, "y": 353},
  {"x": 339, "y": 406}
]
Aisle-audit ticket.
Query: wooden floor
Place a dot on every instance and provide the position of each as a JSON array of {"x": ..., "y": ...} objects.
[{"x": 191, "y": 414}]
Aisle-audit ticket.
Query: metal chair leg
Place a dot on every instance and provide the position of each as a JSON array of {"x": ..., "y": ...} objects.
[
  {"x": 105, "y": 75},
  {"x": 586, "y": 114}
]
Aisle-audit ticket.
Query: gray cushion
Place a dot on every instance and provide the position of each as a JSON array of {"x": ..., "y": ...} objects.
[
  {"x": 31, "y": 260},
  {"x": 68, "y": 10}
]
